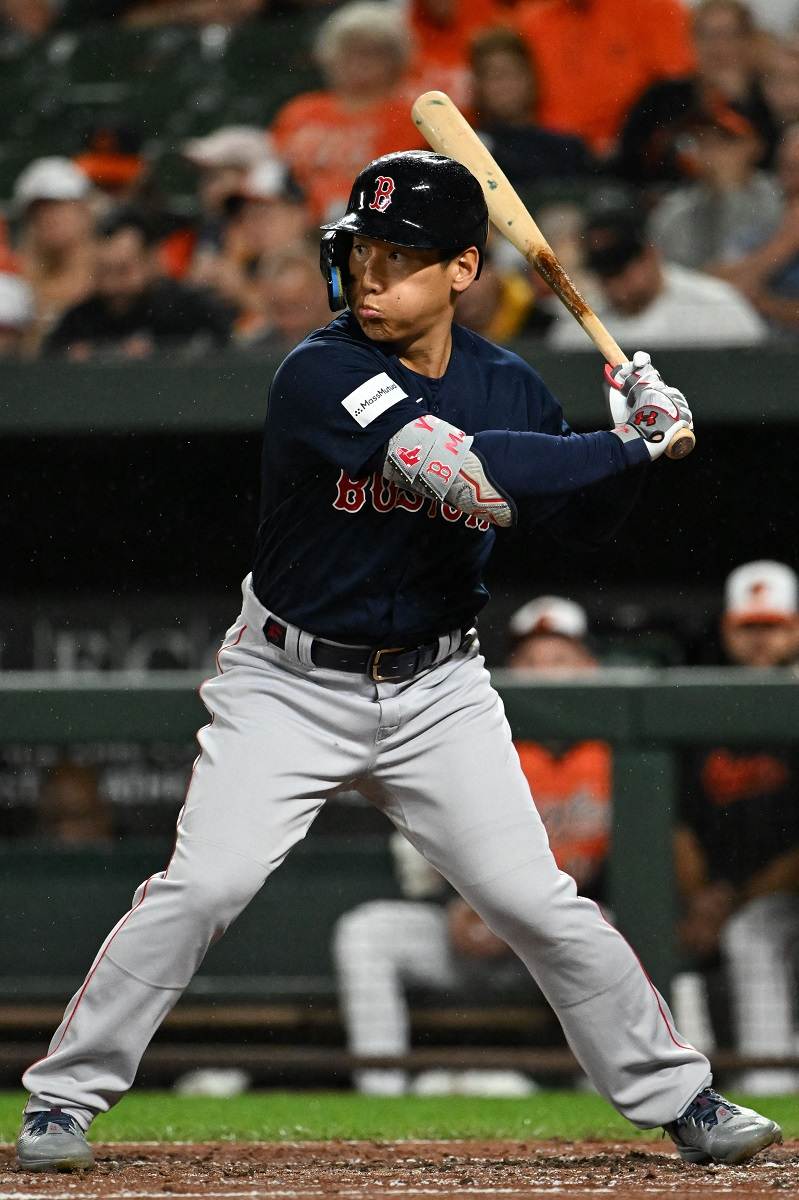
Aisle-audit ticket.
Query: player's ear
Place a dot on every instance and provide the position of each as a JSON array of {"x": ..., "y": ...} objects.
[{"x": 464, "y": 267}]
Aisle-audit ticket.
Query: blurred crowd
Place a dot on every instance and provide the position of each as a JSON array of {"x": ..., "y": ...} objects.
[{"x": 658, "y": 144}]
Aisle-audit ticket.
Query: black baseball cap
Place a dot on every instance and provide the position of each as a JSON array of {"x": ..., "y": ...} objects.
[{"x": 612, "y": 241}]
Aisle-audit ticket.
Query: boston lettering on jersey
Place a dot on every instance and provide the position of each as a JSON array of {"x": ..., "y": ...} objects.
[
  {"x": 366, "y": 561},
  {"x": 352, "y": 494}
]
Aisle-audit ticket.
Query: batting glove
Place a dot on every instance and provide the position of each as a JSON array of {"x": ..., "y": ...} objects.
[{"x": 642, "y": 405}]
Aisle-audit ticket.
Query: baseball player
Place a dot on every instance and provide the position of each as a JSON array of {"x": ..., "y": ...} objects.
[{"x": 397, "y": 444}]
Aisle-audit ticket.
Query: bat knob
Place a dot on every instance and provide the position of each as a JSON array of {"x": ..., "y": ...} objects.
[{"x": 681, "y": 444}]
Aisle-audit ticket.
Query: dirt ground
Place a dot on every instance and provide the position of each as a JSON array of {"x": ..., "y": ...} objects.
[{"x": 354, "y": 1170}]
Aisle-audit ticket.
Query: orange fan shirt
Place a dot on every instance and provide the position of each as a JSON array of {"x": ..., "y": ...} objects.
[
  {"x": 441, "y": 60},
  {"x": 594, "y": 58},
  {"x": 572, "y": 792},
  {"x": 327, "y": 144}
]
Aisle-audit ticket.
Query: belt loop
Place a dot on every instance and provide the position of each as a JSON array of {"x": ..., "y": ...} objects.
[
  {"x": 291, "y": 647},
  {"x": 444, "y": 648},
  {"x": 304, "y": 643}
]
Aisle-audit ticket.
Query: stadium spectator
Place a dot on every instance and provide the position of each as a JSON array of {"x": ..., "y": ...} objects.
[
  {"x": 432, "y": 938},
  {"x": 781, "y": 81},
  {"x": 737, "y": 841},
  {"x": 657, "y": 143},
  {"x": 502, "y": 305},
  {"x": 504, "y": 98},
  {"x": 593, "y": 60},
  {"x": 55, "y": 251},
  {"x": 122, "y": 176},
  {"x": 23, "y": 22},
  {"x": 71, "y": 812},
  {"x": 8, "y": 259},
  {"x": 133, "y": 311},
  {"x": 17, "y": 314},
  {"x": 112, "y": 160},
  {"x": 293, "y": 301},
  {"x": 272, "y": 212},
  {"x": 442, "y": 31},
  {"x": 149, "y": 13},
  {"x": 223, "y": 159},
  {"x": 326, "y": 136},
  {"x": 648, "y": 301},
  {"x": 730, "y": 207},
  {"x": 266, "y": 215},
  {"x": 769, "y": 276},
  {"x": 778, "y": 17}
]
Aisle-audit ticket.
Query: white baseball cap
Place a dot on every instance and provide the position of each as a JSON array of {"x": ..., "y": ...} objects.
[
  {"x": 549, "y": 614},
  {"x": 763, "y": 591},
  {"x": 230, "y": 146},
  {"x": 50, "y": 178},
  {"x": 17, "y": 308},
  {"x": 266, "y": 180}
]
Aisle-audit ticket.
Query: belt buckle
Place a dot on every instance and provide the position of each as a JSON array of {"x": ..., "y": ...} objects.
[{"x": 374, "y": 666}]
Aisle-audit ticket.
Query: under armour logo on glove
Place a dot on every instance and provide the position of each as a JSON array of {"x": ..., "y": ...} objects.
[{"x": 641, "y": 402}]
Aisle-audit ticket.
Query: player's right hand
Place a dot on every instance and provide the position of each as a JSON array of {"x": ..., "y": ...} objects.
[{"x": 640, "y": 401}]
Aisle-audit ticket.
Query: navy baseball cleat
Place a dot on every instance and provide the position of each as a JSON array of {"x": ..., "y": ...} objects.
[
  {"x": 713, "y": 1129},
  {"x": 52, "y": 1140}
]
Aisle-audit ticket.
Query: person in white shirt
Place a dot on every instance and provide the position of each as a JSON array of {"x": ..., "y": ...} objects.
[
  {"x": 729, "y": 207},
  {"x": 645, "y": 300}
]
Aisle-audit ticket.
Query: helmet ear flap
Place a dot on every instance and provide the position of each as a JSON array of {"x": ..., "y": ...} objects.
[{"x": 334, "y": 253}]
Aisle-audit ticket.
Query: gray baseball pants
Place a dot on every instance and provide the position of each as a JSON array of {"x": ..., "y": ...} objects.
[{"x": 435, "y": 754}]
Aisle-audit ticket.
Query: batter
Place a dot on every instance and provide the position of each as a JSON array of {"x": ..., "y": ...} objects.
[{"x": 396, "y": 444}]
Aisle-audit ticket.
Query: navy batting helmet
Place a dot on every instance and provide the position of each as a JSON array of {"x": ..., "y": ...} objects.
[{"x": 411, "y": 198}]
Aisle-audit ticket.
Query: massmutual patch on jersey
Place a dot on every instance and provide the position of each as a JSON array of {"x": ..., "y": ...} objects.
[{"x": 373, "y": 398}]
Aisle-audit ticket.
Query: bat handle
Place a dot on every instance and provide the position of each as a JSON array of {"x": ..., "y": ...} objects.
[{"x": 683, "y": 442}]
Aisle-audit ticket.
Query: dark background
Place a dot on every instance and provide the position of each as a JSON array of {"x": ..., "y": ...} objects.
[{"x": 129, "y": 517}]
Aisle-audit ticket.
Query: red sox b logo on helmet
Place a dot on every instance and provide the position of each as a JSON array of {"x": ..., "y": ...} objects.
[{"x": 382, "y": 197}]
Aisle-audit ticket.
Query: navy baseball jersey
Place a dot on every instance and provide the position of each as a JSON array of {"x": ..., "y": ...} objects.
[{"x": 348, "y": 555}]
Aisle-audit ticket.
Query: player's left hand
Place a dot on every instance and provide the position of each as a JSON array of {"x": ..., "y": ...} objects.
[{"x": 639, "y": 397}]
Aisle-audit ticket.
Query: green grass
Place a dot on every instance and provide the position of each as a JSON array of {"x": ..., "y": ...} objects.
[{"x": 318, "y": 1116}]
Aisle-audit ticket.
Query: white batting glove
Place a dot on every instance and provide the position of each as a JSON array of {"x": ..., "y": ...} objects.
[{"x": 642, "y": 405}]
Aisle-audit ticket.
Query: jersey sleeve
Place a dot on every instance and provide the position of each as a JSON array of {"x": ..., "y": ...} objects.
[
  {"x": 334, "y": 401},
  {"x": 547, "y": 460}
]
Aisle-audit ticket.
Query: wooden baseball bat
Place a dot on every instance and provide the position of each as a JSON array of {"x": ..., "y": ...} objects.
[{"x": 448, "y": 132}]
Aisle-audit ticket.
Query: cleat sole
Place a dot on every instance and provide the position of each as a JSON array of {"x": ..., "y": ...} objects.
[
  {"x": 63, "y": 1165},
  {"x": 769, "y": 1137}
]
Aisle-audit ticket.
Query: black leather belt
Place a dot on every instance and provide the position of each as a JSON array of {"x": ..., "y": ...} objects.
[{"x": 391, "y": 664}]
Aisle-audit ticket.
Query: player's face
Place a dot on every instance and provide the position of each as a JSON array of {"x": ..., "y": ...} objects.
[
  {"x": 762, "y": 644},
  {"x": 397, "y": 293}
]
